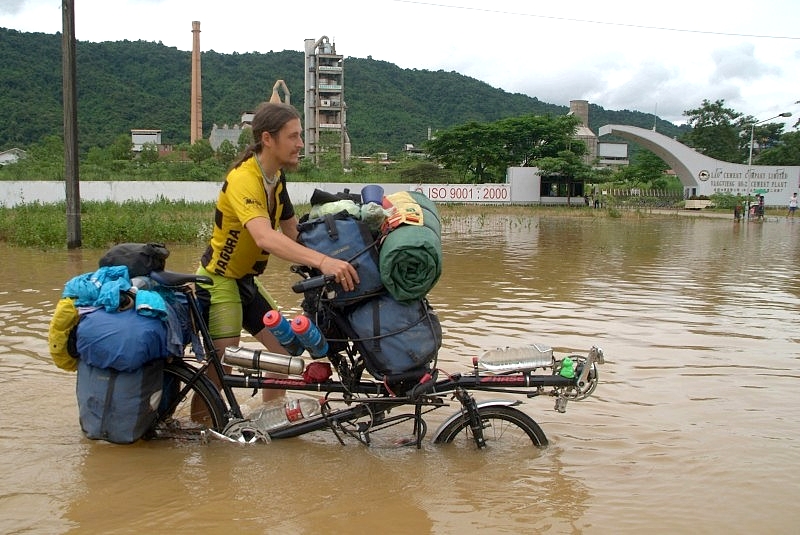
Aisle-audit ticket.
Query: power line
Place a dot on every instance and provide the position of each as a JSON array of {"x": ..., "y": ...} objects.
[{"x": 605, "y": 23}]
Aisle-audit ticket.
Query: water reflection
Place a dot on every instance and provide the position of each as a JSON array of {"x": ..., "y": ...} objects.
[{"x": 699, "y": 320}]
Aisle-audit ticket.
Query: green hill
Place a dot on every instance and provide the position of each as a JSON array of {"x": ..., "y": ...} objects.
[{"x": 136, "y": 84}]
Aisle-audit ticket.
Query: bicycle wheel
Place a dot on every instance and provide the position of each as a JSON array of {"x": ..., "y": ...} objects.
[
  {"x": 503, "y": 428},
  {"x": 187, "y": 412}
]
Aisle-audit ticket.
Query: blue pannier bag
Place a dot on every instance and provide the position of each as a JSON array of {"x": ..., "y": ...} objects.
[
  {"x": 395, "y": 338},
  {"x": 120, "y": 407},
  {"x": 344, "y": 237},
  {"x": 123, "y": 340}
]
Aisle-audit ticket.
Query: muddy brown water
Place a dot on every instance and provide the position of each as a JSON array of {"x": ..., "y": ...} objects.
[{"x": 693, "y": 428}]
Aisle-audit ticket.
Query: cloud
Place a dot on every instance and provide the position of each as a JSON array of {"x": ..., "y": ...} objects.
[
  {"x": 740, "y": 62},
  {"x": 614, "y": 55},
  {"x": 11, "y": 7}
]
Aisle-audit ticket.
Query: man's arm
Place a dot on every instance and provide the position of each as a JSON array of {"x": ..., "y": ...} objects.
[{"x": 285, "y": 247}]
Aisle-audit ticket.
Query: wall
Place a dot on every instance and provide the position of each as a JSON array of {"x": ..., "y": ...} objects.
[
  {"x": 524, "y": 184},
  {"x": 14, "y": 193}
]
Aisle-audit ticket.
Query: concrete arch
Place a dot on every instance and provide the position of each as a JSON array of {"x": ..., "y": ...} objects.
[{"x": 702, "y": 175}]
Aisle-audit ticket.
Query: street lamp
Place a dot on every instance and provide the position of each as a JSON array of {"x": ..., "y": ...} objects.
[{"x": 753, "y": 127}]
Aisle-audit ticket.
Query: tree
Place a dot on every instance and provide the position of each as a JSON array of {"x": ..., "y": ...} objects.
[
  {"x": 97, "y": 156},
  {"x": 765, "y": 137},
  {"x": 50, "y": 148},
  {"x": 483, "y": 151},
  {"x": 564, "y": 170},
  {"x": 245, "y": 138},
  {"x": 646, "y": 171},
  {"x": 44, "y": 160},
  {"x": 226, "y": 153},
  {"x": 149, "y": 153},
  {"x": 716, "y": 131},
  {"x": 121, "y": 148},
  {"x": 785, "y": 152},
  {"x": 200, "y": 151},
  {"x": 471, "y": 148}
]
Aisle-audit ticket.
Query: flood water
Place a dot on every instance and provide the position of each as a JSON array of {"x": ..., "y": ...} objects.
[{"x": 694, "y": 427}]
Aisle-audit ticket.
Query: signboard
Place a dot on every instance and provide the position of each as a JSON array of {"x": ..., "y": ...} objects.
[{"x": 466, "y": 193}]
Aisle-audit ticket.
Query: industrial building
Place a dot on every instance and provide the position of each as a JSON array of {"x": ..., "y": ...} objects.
[{"x": 325, "y": 111}]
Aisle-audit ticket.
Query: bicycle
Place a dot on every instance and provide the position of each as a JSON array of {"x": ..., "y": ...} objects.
[{"x": 354, "y": 406}]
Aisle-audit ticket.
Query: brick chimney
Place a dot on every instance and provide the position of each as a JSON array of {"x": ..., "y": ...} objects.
[{"x": 196, "y": 126}]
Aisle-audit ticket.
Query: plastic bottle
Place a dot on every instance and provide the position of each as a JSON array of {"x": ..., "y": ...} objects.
[
  {"x": 567, "y": 368},
  {"x": 510, "y": 359},
  {"x": 294, "y": 410},
  {"x": 280, "y": 328},
  {"x": 310, "y": 335}
]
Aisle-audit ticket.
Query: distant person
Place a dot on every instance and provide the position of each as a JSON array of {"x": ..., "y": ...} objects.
[
  {"x": 737, "y": 211},
  {"x": 761, "y": 207},
  {"x": 254, "y": 218},
  {"x": 792, "y": 205}
]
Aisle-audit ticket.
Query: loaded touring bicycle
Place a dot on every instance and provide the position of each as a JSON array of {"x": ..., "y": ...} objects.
[{"x": 358, "y": 363}]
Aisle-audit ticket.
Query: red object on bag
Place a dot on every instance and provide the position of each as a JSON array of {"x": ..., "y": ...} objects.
[{"x": 317, "y": 372}]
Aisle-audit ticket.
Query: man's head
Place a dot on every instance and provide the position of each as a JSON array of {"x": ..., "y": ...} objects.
[{"x": 277, "y": 129}]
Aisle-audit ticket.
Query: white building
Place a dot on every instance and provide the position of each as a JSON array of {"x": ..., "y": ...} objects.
[
  {"x": 140, "y": 137},
  {"x": 11, "y": 156}
]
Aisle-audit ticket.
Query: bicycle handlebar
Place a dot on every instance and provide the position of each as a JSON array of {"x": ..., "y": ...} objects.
[{"x": 312, "y": 283}]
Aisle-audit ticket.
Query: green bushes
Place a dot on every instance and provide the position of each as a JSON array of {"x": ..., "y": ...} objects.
[{"x": 107, "y": 223}]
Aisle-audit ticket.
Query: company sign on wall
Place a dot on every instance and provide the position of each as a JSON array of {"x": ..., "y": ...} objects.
[
  {"x": 466, "y": 193},
  {"x": 739, "y": 179}
]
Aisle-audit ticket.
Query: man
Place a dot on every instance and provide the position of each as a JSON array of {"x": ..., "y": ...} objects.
[
  {"x": 792, "y": 205},
  {"x": 254, "y": 218}
]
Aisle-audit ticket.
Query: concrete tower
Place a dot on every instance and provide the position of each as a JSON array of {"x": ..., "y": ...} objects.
[
  {"x": 196, "y": 127},
  {"x": 580, "y": 109},
  {"x": 324, "y": 107}
]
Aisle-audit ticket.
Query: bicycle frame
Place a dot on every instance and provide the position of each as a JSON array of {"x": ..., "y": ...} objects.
[{"x": 374, "y": 399}]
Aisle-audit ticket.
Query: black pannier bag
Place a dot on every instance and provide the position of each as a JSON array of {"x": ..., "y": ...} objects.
[
  {"x": 344, "y": 237},
  {"x": 120, "y": 407},
  {"x": 395, "y": 338},
  {"x": 140, "y": 258}
]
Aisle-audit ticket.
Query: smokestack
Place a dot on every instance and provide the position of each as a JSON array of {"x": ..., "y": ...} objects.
[
  {"x": 580, "y": 108},
  {"x": 196, "y": 126}
]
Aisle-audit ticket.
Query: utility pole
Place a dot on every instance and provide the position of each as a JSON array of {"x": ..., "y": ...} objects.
[{"x": 71, "y": 181}]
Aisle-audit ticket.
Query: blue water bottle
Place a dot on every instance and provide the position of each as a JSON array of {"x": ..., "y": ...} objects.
[
  {"x": 310, "y": 335},
  {"x": 280, "y": 328}
]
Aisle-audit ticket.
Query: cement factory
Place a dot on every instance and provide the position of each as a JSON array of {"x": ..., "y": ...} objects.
[{"x": 324, "y": 110}]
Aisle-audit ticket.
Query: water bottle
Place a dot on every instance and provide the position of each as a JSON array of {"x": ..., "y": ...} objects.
[
  {"x": 280, "y": 328},
  {"x": 294, "y": 410},
  {"x": 257, "y": 359},
  {"x": 567, "y": 368},
  {"x": 512, "y": 359},
  {"x": 310, "y": 335}
]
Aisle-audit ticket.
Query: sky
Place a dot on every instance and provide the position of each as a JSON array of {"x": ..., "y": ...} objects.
[{"x": 661, "y": 58}]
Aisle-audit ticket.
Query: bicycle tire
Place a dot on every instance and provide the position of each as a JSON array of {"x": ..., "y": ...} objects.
[
  {"x": 190, "y": 418},
  {"x": 503, "y": 427}
]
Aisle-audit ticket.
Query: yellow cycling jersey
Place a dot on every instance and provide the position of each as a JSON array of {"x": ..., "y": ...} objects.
[{"x": 232, "y": 251}]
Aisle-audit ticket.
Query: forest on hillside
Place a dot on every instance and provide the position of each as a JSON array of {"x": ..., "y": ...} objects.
[{"x": 126, "y": 85}]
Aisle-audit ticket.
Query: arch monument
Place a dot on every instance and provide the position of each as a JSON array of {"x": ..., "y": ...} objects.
[{"x": 702, "y": 175}]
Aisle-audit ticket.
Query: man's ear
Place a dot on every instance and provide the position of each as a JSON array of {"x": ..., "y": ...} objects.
[{"x": 266, "y": 139}]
